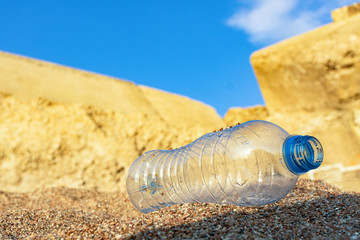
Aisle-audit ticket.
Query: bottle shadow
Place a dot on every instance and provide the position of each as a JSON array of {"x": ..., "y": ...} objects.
[{"x": 307, "y": 212}]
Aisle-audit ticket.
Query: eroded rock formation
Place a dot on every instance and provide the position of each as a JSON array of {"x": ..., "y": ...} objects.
[
  {"x": 311, "y": 85},
  {"x": 65, "y": 127}
]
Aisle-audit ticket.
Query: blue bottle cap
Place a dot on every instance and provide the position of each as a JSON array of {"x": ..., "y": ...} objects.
[{"x": 302, "y": 153}]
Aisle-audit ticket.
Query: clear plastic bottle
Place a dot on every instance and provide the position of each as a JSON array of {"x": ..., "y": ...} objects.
[{"x": 254, "y": 163}]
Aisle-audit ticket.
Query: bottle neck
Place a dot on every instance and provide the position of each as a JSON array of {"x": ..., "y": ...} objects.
[{"x": 302, "y": 153}]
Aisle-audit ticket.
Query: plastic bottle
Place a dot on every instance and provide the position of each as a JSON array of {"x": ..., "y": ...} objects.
[{"x": 254, "y": 163}]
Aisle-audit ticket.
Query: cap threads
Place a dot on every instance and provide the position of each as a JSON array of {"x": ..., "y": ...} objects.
[{"x": 302, "y": 153}]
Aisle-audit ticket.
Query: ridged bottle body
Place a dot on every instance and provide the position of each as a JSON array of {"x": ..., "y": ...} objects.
[{"x": 242, "y": 165}]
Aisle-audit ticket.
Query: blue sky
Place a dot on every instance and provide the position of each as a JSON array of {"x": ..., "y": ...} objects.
[{"x": 198, "y": 49}]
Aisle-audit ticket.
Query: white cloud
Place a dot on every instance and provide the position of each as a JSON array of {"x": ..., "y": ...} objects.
[{"x": 268, "y": 21}]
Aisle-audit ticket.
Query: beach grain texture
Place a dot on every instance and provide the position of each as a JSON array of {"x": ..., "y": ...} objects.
[{"x": 312, "y": 210}]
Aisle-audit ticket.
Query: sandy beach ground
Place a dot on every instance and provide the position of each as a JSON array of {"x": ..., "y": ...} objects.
[{"x": 313, "y": 210}]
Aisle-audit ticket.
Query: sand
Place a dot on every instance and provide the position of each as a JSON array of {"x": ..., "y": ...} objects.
[{"x": 313, "y": 210}]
